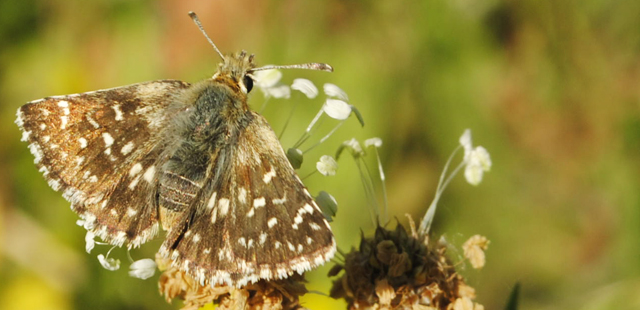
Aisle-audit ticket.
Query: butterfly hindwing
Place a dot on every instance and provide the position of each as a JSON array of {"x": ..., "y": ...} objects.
[
  {"x": 259, "y": 222},
  {"x": 99, "y": 149}
]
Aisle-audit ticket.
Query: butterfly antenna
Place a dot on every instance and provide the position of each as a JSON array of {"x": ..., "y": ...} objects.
[
  {"x": 196, "y": 20},
  {"x": 309, "y": 66}
]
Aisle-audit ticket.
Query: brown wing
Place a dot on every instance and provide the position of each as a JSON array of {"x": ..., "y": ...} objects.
[
  {"x": 99, "y": 149},
  {"x": 258, "y": 222}
]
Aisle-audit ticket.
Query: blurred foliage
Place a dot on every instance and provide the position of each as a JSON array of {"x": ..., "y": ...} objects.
[{"x": 550, "y": 88}]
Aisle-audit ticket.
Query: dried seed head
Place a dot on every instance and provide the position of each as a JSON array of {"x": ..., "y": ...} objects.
[
  {"x": 394, "y": 270},
  {"x": 262, "y": 295}
]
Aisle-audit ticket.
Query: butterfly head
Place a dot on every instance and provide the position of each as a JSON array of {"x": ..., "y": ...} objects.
[{"x": 235, "y": 70}]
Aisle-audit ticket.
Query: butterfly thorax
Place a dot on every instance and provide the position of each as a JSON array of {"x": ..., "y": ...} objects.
[{"x": 207, "y": 129}]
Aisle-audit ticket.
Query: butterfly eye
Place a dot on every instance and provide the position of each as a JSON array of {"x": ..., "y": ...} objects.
[{"x": 248, "y": 83}]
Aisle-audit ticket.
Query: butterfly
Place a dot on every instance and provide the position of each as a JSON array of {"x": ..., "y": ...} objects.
[{"x": 190, "y": 157}]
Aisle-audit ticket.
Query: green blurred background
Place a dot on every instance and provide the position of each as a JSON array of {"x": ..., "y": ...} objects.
[{"x": 550, "y": 88}]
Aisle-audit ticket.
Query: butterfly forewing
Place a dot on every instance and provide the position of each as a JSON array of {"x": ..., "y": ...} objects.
[
  {"x": 99, "y": 149},
  {"x": 259, "y": 223}
]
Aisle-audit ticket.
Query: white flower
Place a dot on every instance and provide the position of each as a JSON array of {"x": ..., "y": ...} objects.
[
  {"x": 279, "y": 91},
  {"x": 306, "y": 87},
  {"x": 465, "y": 141},
  {"x": 337, "y": 109},
  {"x": 109, "y": 263},
  {"x": 483, "y": 157},
  {"x": 267, "y": 78},
  {"x": 354, "y": 145},
  {"x": 268, "y": 82},
  {"x": 327, "y": 165},
  {"x": 334, "y": 91},
  {"x": 143, "y": 269},
  {"x": 90, "y": 243},
  {"x": 477, "y": 160},
  {"x": 375, "y": 142}
]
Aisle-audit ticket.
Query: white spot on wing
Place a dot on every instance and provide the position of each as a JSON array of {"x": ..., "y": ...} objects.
[
  {"x": 263, "y": 238},
  {"x": 223, "y": 204},
  {"x": 214, "y": 215},
  {"x": 108, "y": 139},
  {"x": 272, "y": 222},
  {"x": 116, "y": 108},
  {"x": 63, "y": 104},
  {"x": 269, "y": 175},
  {"x": 25, "y": 135},
  {"x": 242, "y": 195},
  {"x": 135, "y": 169},
  {"x": 64, "y": 120},
  {"x": 131, "y": 211},
  {"x": 314, "y": 226},
  {"x": 259, "y": 202},
  {"x": 133, "y": 183},
  {"x": 83, "y": 142},
  {"x": 280, "y": 201},
  {"x": 92, "y": 121},
  {"x": 297, "y": 219},
  {"x": 149, "y": 174},
  {"x": 308, "y": 208},
  {"x": 242, "y": 242},
  {"x": 79, "y": 160},
  {"x": 127, "y": 148},
  {"x": 212, "y": 201}
]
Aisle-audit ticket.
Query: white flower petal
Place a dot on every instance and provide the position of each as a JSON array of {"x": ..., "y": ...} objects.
[
  {"x": 354, "y": 145},
  {"x": 483, "y": 157},
  {"x": 267, "y": 78},
  {"x": 337, "y": 109},
  {"x": 474, "y": 170},
  {"x": 334, "y": 91},
  {"x": 306, "y": 87},
  {"x": 375, "y": 142},
  {"x": 143, "y": 268},
  {"x": 280, "y": 91},
  {"x": 465, "y": 141},
  {"x": 90, "y": 243},
  {"x": 327, "y": 165},
  {"x": 109, "y": 263}
]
